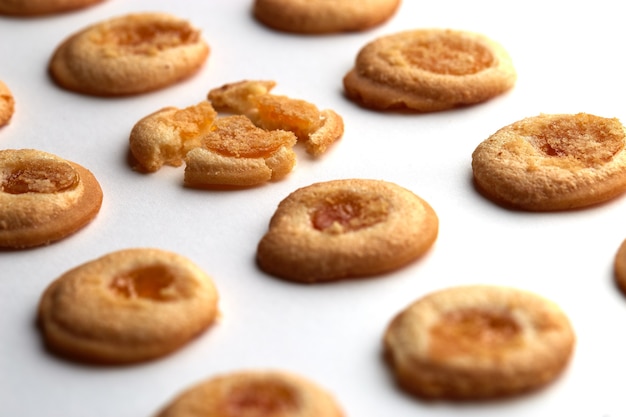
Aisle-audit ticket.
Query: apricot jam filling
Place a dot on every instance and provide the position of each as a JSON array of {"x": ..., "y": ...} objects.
[
  {"x": 237, "y": 136},
  {"x": 349, "y": 214},
  {"x": 39, "y": 176},
  {"x": 447, "y": 54},
  {"x": 279, "y": 112},
  {"x": 148, "y": 282},
  {"x": 474, "y": 332},
  {"x": 148, "y": 37},
  {"x": 261, "y": 399},
  {"x": 586, "y": 138}
]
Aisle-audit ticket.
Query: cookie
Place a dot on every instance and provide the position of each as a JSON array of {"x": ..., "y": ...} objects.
[
  {"x": 619, "y": 265},
  {"x": 130, "y": 54},
  {"x": 237, "y": 153},
  {"x": 43, "y": 198},
  {"x": 254, "y": 394},
  {"x": 478, "y": 342},
  {"x": 42, "y": 7},
  {"x": 344, "y": 229},
  {"x": 553, "y": 162},
  {"x": 7, "y": 104},
  {"x": 317, "y": 129},
  {"x": 427, "y": 70},
  {"x": 165, "y": 136},
  {"x": 127, "y": 306},
  {"x": 324, "y": 16}
]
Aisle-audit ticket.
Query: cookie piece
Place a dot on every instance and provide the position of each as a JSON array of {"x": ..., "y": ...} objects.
[
  {"x": 42, "y": 7},
  {"x": 318, "y": 129},
  {"x": 43, "y": 198},
  {"x": 553, "y": 162},
  {"x": 128, "y": 55},
  {"x": 429, "y": 70},
  {"x": 165, "y": 136},
  {"x": 324, "y": 16},
  {"x": 254, "y": 393},
  {"x": 237, "y": 153},
  {"x": 346, "y": 228},
  {"x": 619, "y": 266},
  {"x": 127, "y": 306},
  {"x": 7, "y": 104},
  {"x": 478, "y": 342}
]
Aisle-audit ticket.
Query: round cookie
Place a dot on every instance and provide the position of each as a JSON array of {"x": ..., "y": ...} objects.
[
  {"x": 43, "y": 198},
  {"x": 428, "y": 70},
  {"x": 127, "y": 306},
  {"x": 553, "y": 162},
  {"x": 619, "y": 266},
  {"x": 7, "y": 104},
  {"x": 324, "y": 16},
  {"x": 254, "y": 394},
  {"x": 128, "y": 55},
  {"x": 346, "y": 228},
  {"x": 27, "y": 8},
  {"x": 478, "y": 342}
]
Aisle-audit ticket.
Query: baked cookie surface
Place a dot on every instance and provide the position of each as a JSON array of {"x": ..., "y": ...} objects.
[
  {"x": 42, "y": 7},
  {"x": 344, "y": 229},
  {"x": 429, "y": 70},
  {"x": 553, "y": 162},
  {"x": 478, "y": 342},
  {"x": 7, "y": 104},
  {"x": 254, "y": 394},
  {"x": 324, "y": 16},
  {"x": 127, "y": 306},
  {"x": 43, "y": 198},
  {"x": 619, "y": 266},
  {"x": 130, "y": 54}
]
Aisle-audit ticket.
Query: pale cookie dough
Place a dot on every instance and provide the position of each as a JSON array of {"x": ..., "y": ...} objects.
[
  {"x": 26, "y": 8},
  {"x": 553, "y": 162},
  {"x": 428, "y": 70},
  {"x": 318, "y": 129},
  {"x": 324, "y": 16},
  {"x": 345, "y": 229},
  {"x": 7, "y": 104},
  {"x": 128, "y": 55},
  {"x": 127, "y": 306},
  {"x": 478, "y": 342},
  {"x": 43, "y": 198},
  {"x": 254, "y": 394}
]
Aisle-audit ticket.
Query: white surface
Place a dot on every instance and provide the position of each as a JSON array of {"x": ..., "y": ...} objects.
[{"x": 568, "y": 60}]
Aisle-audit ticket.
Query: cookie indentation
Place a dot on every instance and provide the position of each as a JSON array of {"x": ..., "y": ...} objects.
[
  {"x": 261, "y": 399},
  {"x": 149, "y": 282},
  {"x": 349, "y": 214},
  {"x": 39, "y": 176}
]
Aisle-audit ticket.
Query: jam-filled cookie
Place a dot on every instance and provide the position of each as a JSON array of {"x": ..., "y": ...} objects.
[
  {"x": 127, "y": 306},
  {"x": 478, "y": 342},
  {"x": 429, "y": 70},
  {"x": 130, "y": 54},
  {"x": 43, "y": 198},
  {"x": 42, "y": 7},
  {"x": 254, "y": 394},
  {"x": 345, "y": 229},
  {"x": 553, "y": 162},
  {"x": 7, "y": 104},
  {"x": 324, "y": 16}
]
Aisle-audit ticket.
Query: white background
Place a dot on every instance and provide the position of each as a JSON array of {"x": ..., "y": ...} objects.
[{"x": 569, "y": 59}]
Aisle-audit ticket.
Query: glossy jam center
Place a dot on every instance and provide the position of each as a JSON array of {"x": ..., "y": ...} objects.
[
  {"x": 261, "y": 399},
  {"x": 279, "y": 112},
  {"x": 148, "y": 282},
  {"x": 39, "y": 176},
  {"x": 349, "y": 214},
  {"x": 448, "y": 54},
  {"x": 149, "y": 37},
  {"x": 475, "y": 333}
]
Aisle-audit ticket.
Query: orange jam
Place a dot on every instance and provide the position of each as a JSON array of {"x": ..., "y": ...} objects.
[
  {"x": 349, "y": 214},
  {"x": 147, "y": 282},
  {"x": 261, "y": 399},
  {"x": 39, "y": 176}
]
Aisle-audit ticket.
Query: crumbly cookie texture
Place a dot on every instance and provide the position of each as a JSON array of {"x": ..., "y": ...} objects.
[
  {"x": 27, "y": 8},
  {"x": 254, "y": 393},
  {"x": 553, "y": 162},
  {"x": 318, "y": 129},
  {"x": 478, "y": 342},
  {"x": 43, "y": 198},
  {"x": 130, "y": 54},
  {"x": 127, "y": 306},
  {"x": 7, "y": 104},
  {"x": 324, "y": 16},
  {"x": 346, "y": 229},
  {"x": 428, "y": 70}
]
